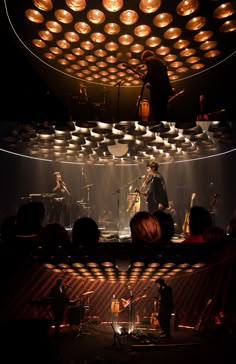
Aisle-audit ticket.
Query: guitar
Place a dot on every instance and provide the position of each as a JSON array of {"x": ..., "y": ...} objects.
[
  {"x": 125, "y": 303},
  {"x": 185, "y": 226},
  {"x": 198, "y": 324},
  {"x": 140, "y": 192},
  {"x": 133, "y": 201}
]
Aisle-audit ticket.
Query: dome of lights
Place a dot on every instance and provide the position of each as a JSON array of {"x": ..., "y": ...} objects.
[{"x": 62, "y": 33}]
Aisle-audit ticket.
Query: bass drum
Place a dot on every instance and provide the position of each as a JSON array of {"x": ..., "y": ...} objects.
[{"x": 75, "y": 315}]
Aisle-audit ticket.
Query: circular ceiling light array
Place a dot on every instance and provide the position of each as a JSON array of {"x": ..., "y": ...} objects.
[{"x": 90, "y": 40}]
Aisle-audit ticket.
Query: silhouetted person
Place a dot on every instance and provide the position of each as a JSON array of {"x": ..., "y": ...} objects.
[
  {"x": 54, "y": 239},
  {"x": 167, "y": 225},
  {"x": 60, "y": 209},
  {"x": 199, "y": 220},
  {"x": 28, "y": 224},
  {"x": 59, "y": 301},
  {"x": 83, "y": 104},
  {"x": 158, "y": 81},
  {"x": 155, "y": 186},
  {"x": 165, "y": 298},
  {"x": 85, "y": 233}
]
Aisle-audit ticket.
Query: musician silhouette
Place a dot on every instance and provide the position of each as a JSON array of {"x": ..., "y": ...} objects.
[
  {"x": 59, "y": 301},
  {"x": 60, "y": 207}
]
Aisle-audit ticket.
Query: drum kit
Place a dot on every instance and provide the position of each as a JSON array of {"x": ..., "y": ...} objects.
[
  {"x": 78, "y": 315},
  {"x": 85, "y": 206}
]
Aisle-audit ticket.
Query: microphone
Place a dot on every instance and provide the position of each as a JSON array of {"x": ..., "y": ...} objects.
[
  {"x": 62, "y": 183},
  {"x": 142, "y": 177}
]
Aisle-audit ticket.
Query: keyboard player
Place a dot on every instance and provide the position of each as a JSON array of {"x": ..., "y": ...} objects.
[{"x": 60, "y": 209}]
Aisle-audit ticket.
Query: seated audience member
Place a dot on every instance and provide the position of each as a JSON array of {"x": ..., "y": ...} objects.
[
  {"x": 85, "y": 232},
  {"x": 29, "y": 218},
  {"x": 199, "y": 220},
  {"x": 214, "y": 234},
  {"x": 167, "y": 225},
  {"x": 28, "y": 224},
  {"x": 144, "y": 228},
  {"x": 54, "y": 238}
]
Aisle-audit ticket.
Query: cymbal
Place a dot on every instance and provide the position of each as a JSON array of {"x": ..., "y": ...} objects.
[
  {"x": 87, "y": 186},
  {"x": 84, "y": 294}
]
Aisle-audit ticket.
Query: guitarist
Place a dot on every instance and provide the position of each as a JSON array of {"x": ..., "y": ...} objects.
[
  {"x": 156, "y": 194},
  {"x": 159, "y": 85}
]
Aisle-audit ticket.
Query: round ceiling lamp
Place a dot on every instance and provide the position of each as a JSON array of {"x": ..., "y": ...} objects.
[{"x": 118, "y": 150}]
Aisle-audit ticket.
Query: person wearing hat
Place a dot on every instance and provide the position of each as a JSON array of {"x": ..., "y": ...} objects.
[
  {"x": 165, "y": 306},
  {"x": 156, "y": 78}
]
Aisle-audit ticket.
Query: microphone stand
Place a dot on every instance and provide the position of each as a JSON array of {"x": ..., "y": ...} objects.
[
  {"x": 117, "y": 192},
  {"x": 131, "y": 323},
  {"x": 63, "y": 185},
  {"x": 118, "y": 100}
]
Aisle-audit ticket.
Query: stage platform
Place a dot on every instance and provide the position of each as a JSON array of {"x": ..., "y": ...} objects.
[
  {"x": 34, "y": 341},
  {"x": 98, "y": 343}
]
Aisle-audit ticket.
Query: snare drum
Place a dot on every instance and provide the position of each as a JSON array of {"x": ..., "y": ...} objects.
[{"x": 144, "y": 110}]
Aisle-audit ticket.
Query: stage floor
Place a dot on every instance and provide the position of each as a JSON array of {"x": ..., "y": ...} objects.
[{"x": 98, "y": 343}]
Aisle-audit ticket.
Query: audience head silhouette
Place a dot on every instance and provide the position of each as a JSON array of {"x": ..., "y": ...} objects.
[
  {"x": 144, "y": 228},
  {"x": 29, "y": 218},
  {"x": 54, "y": 237},
  {"x": 199, "y": 219},
  {"x": 85, "y": 232},
  {"x": 166, "y": 222}
]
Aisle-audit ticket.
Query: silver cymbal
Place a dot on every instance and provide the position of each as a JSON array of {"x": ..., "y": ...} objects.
[{"x": 87, "y": 186}]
